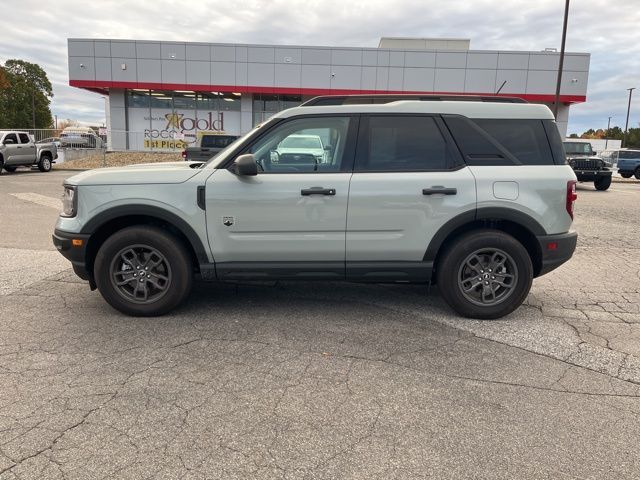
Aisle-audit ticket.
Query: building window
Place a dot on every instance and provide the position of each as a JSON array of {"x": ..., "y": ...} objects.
[
  {"x": 265, "y": 105},
  {"x": 138, "y": 98}
]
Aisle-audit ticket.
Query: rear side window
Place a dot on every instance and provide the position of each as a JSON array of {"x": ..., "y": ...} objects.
[
  {"x": 628, "y": 154},
  {"x": 215, "y": 141},
  {"x": 401, "y": 144},
  {"x": 501, "y": 141},
  {"x": 24, "y": 138}
]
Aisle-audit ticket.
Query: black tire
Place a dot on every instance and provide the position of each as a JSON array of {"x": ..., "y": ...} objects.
[
  {"x": 637, "y": 173},
  {"x": 453, "y": 266},
  {"x": 602, "y": 183},
  {"x": 626, "y": 175},
  {"x": 10, "y": 169},
  {"x": 1, "y": 165},
  {"x": 120, "y": 258},
  {"x": 44, "y": 165}
]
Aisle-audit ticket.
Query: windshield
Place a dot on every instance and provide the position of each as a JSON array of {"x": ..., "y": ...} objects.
[
  {"x": 301, "y": 142},
  {"x": 577, "y": 147}
]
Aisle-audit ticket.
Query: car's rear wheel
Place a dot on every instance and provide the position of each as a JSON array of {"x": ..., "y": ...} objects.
[
  {"x": 485, "y": 274},
  {"x": 10, "y": 169},
  {"x": 1, "y": 165},
  {"x": 602, "y": 183},
  {"x": 637, "y": 173},
  {"x": 626, "y": 174},
  {"x": 143, "y": 271},
  {"x": 44, "y": 165}
]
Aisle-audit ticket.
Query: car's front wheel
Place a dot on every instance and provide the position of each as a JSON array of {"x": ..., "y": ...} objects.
[
  {"x": 44, "y": 165},
  {"x": 626, "y": 174},
  {"x": 143, "y": 271},
  {"x": 637, "y": 173},
  {"x": 602, "y": 183},
  {"x": 485, "y": 274}
]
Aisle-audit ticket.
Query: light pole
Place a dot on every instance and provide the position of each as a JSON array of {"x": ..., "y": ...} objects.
[
  {"x": 561, "y": 63},
  {"x": 626, "y": 124},
  {"x": 606, "y": 135}
]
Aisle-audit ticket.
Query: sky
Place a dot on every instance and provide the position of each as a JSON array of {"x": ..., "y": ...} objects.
[{"x": 608, "y": 30}]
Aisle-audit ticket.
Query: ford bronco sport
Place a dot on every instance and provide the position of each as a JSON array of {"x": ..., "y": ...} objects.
[{"x": 472, "y": 194}]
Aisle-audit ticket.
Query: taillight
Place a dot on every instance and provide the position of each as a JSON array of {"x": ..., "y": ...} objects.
[
  {"x": 184, "y": 154},
  {"x": 572, "y": 196}
]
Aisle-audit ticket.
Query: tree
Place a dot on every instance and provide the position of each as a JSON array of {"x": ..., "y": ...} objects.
[{"x": 25, "y": 96}]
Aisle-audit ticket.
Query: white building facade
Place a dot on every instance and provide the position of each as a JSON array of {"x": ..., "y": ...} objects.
[{"x": 161, "y": 94}]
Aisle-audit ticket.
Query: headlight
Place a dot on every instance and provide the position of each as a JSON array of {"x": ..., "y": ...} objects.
[{"x": 69, "y": 201}]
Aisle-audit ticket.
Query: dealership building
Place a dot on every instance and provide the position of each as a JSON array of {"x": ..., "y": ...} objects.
[{"x": 159, "y": 95}]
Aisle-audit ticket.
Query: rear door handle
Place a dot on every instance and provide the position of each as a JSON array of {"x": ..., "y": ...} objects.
[
  {"x": 439, "y": 190},
  {"x": 317, "y": 191}
]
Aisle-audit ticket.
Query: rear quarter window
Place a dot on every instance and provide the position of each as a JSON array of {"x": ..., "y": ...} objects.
[{"x": 504, "y": 141}]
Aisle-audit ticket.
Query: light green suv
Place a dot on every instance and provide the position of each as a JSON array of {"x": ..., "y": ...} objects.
[{"x": 472, "y": 194}]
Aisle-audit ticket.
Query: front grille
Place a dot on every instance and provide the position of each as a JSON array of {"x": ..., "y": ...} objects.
[{"x": 585, "y": 164}]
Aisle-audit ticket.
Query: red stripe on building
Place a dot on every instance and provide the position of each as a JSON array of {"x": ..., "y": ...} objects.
[{"x": 103, "y": 87}]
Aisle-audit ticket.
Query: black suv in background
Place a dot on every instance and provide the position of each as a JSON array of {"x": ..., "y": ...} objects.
[{"x": 586, "y": 165}]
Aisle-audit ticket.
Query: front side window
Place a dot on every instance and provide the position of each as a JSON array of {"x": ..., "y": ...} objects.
[
  {"x": 10, "y": 136},
  {"x": 306, "y": 145},
  {"x": 400, "y": 144}
]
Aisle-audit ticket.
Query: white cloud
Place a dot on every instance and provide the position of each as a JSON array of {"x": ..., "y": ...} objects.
[{"x": 606, "y": 30}]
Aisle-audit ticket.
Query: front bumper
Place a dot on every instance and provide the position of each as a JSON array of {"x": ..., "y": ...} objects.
[
  {"x": 591, "y": 175},
  {"x": 556, "y": 250},
  {"x": 75, "y": 253}
]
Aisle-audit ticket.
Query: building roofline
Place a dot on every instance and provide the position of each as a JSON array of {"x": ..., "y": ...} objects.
[
  {"x": 321, "y": 47},
  {"x": 102, "y": 87}
]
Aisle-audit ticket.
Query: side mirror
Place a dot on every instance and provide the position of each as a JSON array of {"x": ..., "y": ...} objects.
[
  {"x": 9, "y": 141},
  {"x": 245, "y": 165},
  {"x": 328, "y": 147}
]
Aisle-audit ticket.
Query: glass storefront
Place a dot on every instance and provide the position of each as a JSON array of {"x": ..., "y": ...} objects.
[
  {"x": 172, "y": 120},
  {"x": 266, "y": 105}
]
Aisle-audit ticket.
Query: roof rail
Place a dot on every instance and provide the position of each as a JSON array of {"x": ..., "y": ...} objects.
[{"x": 326, "y": 100}]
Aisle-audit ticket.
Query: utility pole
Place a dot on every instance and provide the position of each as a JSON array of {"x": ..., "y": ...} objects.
[
  {"x": 626, "y": 124},
  {"x": 561, "y": 63},
  {"x": 606, "y": 135}
]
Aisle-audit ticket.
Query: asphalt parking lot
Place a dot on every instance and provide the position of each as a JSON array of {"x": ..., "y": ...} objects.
[{"x": 319, "y": 381}]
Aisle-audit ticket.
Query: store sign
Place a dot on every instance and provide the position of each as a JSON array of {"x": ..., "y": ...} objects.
[{"x": 175, "y": 130}]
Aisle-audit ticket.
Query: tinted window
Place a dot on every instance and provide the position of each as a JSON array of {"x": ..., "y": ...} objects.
[
  {"x": 24, "y": 138},
  {"x": 577, "y": 147},
  {"x": 400, "y": 144},
  {"x": 332, "y": 132},
  {"x": 626, "y": 154},
  {"x": 11, "y": 136},
  {"x": 501, "y": 141},
  {"x": 524, "y": 139},
  {"x": 214, "y": 141}
]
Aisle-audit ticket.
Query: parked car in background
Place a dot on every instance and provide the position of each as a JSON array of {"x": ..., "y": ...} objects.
[
  {"x": 303, "y": 149},
  {"x": 80, "y": 137},
  {"x": 208, "y": 145},
  {"x": 55, "y": 140},
  {"x": 586, "y": 165},
  {"x": 628, "y": 163},
  {"x": 18, "y": 149}
]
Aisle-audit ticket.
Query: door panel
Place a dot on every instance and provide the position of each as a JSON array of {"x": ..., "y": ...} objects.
[
  {"x": 390, "y": 219},
  {"x": 27, "y": 150},
  {"x": 408, "y": 182},
  {"x": 269, "y": 219}
]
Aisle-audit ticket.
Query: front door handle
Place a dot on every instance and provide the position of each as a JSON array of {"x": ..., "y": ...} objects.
[
  {"x": 317, "y": 191},
  {"x": 439, "y": 190}
]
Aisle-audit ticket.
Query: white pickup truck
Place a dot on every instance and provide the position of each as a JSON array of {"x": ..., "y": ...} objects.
[{"x": 18, "y": 149}]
